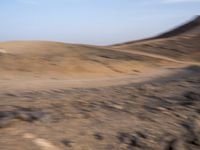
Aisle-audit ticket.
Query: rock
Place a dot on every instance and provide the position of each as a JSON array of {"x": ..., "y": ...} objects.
[
  {"x": 5, "y": 122},
  {"x": 45, "y": 144},
  {"x": 31, "y": 116},
  {"x": 123, "y": 137},
  {"x": 198, "y": 111},
  {"x": 24, "y": 116},
  {"x": 197, "y": 122},
  {"x": 141, "y": 134},
  {"x": 6, "y": 118},
  {"x": 98, "y": 136},
  {"x": 6, "y": 114},
  {"x": 175, "y": 144},
  {"x": 37, "y": 115},
  {"x": 131, "y": 140},
  {"x": 11, "y": 94},
  {"x": 191, "y": 135},
  {"x": 67, "y": 143},
  {"x": 171, "y": 145},
  {"x": 109, "y": 147},
  {"x": 134, "y": 141},
  {"x": 192, "y": 96},
  {"x": 120, "y": 107},
  {"x": 186, "y": 102},
  {"x": 194, "y": 68}
]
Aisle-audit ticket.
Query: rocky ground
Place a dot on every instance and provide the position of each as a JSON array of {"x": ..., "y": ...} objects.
[{"x": 162, "y": 114}]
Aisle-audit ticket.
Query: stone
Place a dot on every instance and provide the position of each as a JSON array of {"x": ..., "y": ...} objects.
[
  {"x": 98, "y": 136},
  {"x": 5, "y": 122},
  {"x": 67, "y": 143},
  {"x": 6, "y": 118},
  {"x": 192, "y": 96},
  {"x": 131, "y": 140}
]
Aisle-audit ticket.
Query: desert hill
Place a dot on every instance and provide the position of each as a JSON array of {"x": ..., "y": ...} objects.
[
  {"x": 181, "y": 43},
  {"x": 59, "y": 60},
  {"x": 134, "y": 96},
  {"x": 189, "y": 28},
  {"x": 36, "y": 61}
]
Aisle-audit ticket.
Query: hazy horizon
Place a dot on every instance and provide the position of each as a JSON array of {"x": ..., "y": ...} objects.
[{"x": 96, "y": 22}]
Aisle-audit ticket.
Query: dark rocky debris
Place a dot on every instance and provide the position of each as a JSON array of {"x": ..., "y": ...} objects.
[
  {"x": 6, "y": 117},
  {"x": 159, "y": 115}
]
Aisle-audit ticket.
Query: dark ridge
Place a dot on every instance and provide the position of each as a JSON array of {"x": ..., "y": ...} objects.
[
  {"x": 174, "y": 32},
  {"x": 182, "y": 29}
]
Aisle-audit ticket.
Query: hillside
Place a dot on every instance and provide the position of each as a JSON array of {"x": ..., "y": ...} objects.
[
  {"x": 60, "y": 60},
  {"x": 134, "y": 96},
  {"x": 181, "y": 43}
]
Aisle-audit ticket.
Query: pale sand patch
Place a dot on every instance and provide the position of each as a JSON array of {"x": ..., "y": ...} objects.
[
  {"x": 28, "y": 136},
  {"x": 42, "y": 143},
  {"x": 3, "y": 51}
]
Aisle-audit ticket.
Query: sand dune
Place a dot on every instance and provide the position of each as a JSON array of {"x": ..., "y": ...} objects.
[{"x": 3, "y": 51}]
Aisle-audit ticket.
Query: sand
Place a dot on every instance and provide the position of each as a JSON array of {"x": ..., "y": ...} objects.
[{"x": 140, "y": 95}]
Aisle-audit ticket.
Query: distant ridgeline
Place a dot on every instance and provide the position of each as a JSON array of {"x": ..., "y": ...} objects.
[{"x": 189, "y": 28}]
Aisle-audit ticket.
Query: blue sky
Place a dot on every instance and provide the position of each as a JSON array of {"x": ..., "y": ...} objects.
[{"x": 99, "y": 22}]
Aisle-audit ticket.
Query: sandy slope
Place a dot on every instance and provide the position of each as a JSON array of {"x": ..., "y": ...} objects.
[
  {"x": 36, "y": 64},
  {"x": 181, "y": 43},
  {"x": 179, "y": 48},
  {"x": 160, "y": 56},
  {"x": 141, "y": 96},
  {"x": 65, "y": 59},
  {"x": 51, "y": 62}
]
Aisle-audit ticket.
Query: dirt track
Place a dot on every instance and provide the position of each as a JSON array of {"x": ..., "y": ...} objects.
[{"x": 159, "y": 57}]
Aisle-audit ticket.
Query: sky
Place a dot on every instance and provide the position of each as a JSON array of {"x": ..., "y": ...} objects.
[{"x": 96, "y": 22}]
